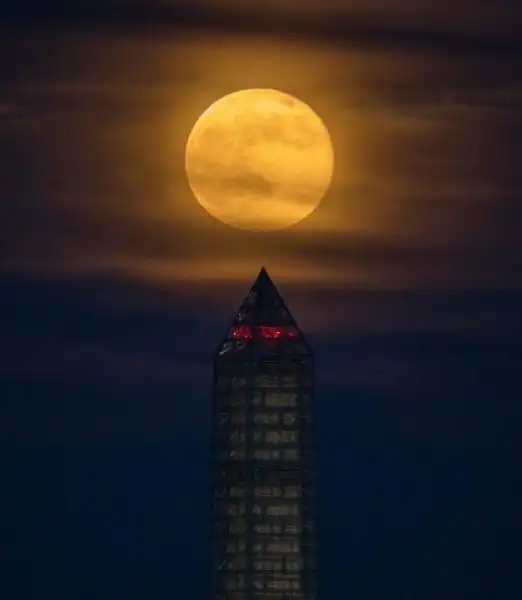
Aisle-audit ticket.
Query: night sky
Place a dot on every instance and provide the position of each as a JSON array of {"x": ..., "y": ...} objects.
[{"x": 116, "y": 287}]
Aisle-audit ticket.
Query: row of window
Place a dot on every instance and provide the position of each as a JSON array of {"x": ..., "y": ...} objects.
[
  {"x": 264, "y": 381},
  {"x": 239, "y": 526},
  {"x": 234, "y": 472},
  {"x": 273, "y": 417},
  {"x": 269, "y": 436},
  {"x": 281, "y": 546},
  {"x": 239, "y": 563},
  {"x": 237, "y": 582},
  {"x": 289, "y": 529},
  {"x": 278, "y": 528},
  {"x": 238, "y": 509},
  {"x": 239, "y": 491},
  {"x": 270, "y": 399},
  {"x": 288, "y": 454},
  {"x": 278, "y": 533}
]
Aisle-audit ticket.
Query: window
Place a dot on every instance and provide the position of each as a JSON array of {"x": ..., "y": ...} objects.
[
  {"x": 264, "y": 528},
  {"x": 236, "y": 546},
  {"x": 289, "y": 381},
  {"x": 266, "y": 418},
  {"x": 237, "y": 526},
  {"x": 282, "y": 582},
  {"x": 291, "y": 454},
  {"x": 268, "y": 565},
  {"x": 292, "y": 529},
  {"x": 281, "y": 437},
  {"x": 267, "y": 492},
  {"x": 266, "y": 381},
  {"x": 283, "y": 546},
  {"x": 280, "y": 399},
  {"x": 282, "y": 510},
  {"x": 238, "y": 454},
  {"x": 292, "y": 491},
  {"x": 279, "y": 584},
  {"x": 236, "y": 510},
  {"x": 237, "y": 382},
  {"x": 293, "y": 566},
  {"x": 237, "y": 491},
  {"x": 237, "y": 563},
  {"x": 262, "y": 454},
  {"x": 237, "y": 436},
  {"x": 273, "y": 510},
  {"x": 289, "y": 418},
  {"x": 267, "y": 454},
  {"x": 236, "y": 399},
  {"x": 235, "y": 582},
  {"x": 238, "y": 417}
]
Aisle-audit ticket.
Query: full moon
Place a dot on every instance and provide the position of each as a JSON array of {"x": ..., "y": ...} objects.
[{"x": 259, "y": 159}]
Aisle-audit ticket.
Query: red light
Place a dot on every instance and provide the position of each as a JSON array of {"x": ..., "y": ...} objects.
[
  {"x": 241, "y": 333},
  {"x": 266, "y": 332},
  {"x": 269, "y": 332}
]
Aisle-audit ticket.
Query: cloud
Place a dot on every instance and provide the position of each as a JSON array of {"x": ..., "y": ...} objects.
[
  {"x": 425, "y": 191},
  {"x": 456, "y": 26}
]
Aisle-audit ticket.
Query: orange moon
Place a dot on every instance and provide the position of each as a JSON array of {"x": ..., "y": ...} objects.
[{"x": 259, "y": 159}]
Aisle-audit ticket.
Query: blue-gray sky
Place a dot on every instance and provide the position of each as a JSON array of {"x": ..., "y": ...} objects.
[{"x": 115, "y": 287}]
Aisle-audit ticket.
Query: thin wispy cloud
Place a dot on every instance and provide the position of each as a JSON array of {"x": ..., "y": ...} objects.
[{"x": 420, "y": 194}]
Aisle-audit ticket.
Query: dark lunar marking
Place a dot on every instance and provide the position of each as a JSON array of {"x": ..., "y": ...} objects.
[{"x": 251, "y": 182}]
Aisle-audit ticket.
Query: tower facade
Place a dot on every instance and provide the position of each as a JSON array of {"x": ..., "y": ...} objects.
[{"x": 263, "y": 485}]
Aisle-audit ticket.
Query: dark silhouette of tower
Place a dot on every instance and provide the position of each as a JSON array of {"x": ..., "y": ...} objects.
[{"x": 263, "y": 488}]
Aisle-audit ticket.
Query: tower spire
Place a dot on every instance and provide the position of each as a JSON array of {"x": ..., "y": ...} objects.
[{"x": 261, "y": 319}]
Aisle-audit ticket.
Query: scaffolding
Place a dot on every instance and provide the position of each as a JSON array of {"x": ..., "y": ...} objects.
[{"x": 263, "y": 481}]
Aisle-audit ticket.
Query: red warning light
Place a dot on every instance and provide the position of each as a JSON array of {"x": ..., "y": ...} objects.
[
  {"x": 265, "y": 332},
  {"x": 271, "y": 332},
  {"x": 276, "y": 332},
  {"x": 242, "y": 332}
]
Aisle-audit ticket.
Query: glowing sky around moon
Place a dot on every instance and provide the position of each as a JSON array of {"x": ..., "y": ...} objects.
[{"x": 259, "y": 159}]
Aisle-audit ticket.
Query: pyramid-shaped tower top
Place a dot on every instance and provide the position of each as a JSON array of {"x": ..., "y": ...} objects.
[
  {"x": 263, "y": 323},
  {"x": 264, "y": 305}
]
